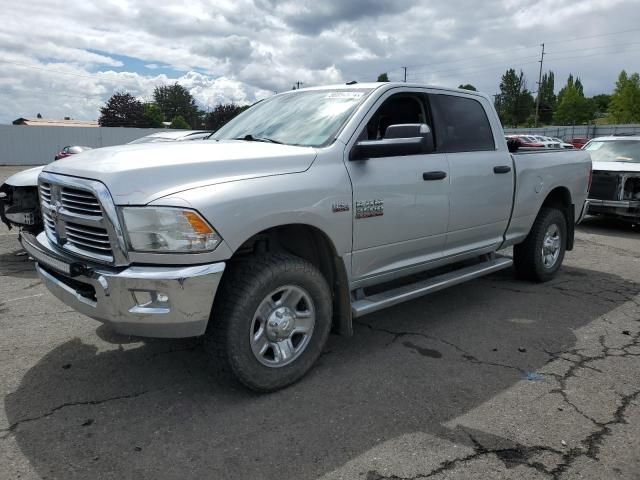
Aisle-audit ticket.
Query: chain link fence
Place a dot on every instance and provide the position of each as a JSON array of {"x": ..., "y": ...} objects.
[{"x": 568, "y": 132}]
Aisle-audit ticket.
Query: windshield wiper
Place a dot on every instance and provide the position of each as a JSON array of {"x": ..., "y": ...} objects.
[{"x": 251, "y": 138}]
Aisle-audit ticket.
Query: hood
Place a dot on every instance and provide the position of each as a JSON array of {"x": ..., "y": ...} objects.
[
  {"x": 617, "y": 166},
  {"x": 25, "y": 178},
  {"x": 139, "y": 174}
]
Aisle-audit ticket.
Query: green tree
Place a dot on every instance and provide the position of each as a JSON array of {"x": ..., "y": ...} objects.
[
  {"x": 122, "y": 110},
  {"x": 221, "y": 114},
  {"x": 548, "y": 99},
  {"x": 383, "y": 77},
  {"x": 573, "y": 108},
  {"x": 600, "y": 105},
  {"x": 468, "y": 86},
  {"x": 179, "y": 123},
  {"x": 153, "y": 116},
  {"x": 175, "y": 100},
  {"x": 624, "y": 106},
  {"x": 571, "y": 83},
  {"x": 514, "y": 103}
]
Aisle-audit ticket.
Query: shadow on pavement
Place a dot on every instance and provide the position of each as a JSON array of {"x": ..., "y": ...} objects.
[
  {"x": 610, "y": 227},
  {"x": 17, "y": 264},
  {"x": 156, "y": 410}
]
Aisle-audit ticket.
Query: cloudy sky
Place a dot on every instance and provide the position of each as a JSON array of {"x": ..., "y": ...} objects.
[{"x": 65, "y": 58}]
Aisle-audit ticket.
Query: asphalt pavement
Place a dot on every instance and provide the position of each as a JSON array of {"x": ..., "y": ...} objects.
[{"x": 496, "y": 379}]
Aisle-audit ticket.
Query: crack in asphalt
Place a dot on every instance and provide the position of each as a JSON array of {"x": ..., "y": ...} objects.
[
  {"x": 468, "y": 356},
  {"x": 12, "y": 428},
  {"x": 521, "y": 454}
]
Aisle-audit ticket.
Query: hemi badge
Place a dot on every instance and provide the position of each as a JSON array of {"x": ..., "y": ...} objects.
[{"x": 340, "y": 207}]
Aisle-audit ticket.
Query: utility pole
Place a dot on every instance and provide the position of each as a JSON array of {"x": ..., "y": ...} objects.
[
  {"x": 405, "y": 74},
  {"x": 535, "y": 124}
]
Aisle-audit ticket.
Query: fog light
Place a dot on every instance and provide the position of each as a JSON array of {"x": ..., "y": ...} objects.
[
  {"x": 162, "y": 297},
  {"x": 142, "y": 297}
]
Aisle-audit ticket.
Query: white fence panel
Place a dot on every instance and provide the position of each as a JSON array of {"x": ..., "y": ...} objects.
[{"x": 26, "y": 145}]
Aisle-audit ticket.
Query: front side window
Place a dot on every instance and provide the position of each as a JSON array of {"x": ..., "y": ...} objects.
[
  {"x": 614, "y": 150},
  {"x": 306, "y": 118},
  {"x": 398, "y": 109},
  {"x": 461, "y": 124}
]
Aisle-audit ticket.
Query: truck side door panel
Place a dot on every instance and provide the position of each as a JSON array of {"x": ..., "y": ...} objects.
[{"x": 481, "y": 176}]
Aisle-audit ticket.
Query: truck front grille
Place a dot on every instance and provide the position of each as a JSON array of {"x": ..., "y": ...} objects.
[
  {"x": 75, "y": 221},
  {"x": 605, "y": 185}
]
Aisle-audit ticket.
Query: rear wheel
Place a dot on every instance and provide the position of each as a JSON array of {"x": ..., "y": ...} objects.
[
  {"x": 270, "y": 321},
  {"x": 540, "y": 256}
]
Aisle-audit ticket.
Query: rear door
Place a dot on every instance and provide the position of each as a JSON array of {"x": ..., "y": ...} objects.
[
  {"x": 400, "y": 215},
  {"x": 482, "y": 175}
]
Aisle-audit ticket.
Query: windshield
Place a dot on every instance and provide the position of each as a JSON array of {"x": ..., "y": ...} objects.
[
  {"x": 614, "y": 150},
  {"x": 308, "y": 118}
]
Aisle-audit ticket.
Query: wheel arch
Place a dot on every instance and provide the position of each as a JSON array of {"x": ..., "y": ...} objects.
[
  {"x": 314, "y": 245},
  {"x": 560, "y": 198}
]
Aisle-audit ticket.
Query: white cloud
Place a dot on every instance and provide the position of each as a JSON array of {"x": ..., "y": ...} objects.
[{"x": 66, "y": 59}]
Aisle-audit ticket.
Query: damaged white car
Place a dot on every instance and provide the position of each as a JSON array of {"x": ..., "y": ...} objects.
[{"x": 615, "y": 189}]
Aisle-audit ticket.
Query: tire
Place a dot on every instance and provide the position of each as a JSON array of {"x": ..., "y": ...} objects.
[
  {"x": 256, "y": 294},
  {"x": 529, "y": 261}
]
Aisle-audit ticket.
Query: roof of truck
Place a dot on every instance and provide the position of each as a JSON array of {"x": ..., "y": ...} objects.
[{"x": 376, "y": 85}]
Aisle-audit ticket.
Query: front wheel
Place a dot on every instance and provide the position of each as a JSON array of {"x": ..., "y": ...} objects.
[
  {"x": 270, "y": 321},
  {"x": 540, "y": 256}
]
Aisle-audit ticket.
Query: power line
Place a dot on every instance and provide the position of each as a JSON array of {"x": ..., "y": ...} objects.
[{"x": 524, "y": 47}]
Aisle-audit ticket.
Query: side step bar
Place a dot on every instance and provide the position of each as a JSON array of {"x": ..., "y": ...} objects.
[{"x": 404, "y": 293}]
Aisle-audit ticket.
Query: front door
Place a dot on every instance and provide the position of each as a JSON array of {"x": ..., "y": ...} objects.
[{"x": 401, "y": 209}]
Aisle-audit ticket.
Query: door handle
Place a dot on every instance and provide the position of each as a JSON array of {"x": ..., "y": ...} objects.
[
  {"x": 502, "y": 169},
  {"x": 437, "y": 175}
]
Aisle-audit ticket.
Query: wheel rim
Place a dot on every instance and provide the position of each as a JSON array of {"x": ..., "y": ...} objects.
[
  {"x": 282, "y": 326},
  {"x": 551, "y": 246}
]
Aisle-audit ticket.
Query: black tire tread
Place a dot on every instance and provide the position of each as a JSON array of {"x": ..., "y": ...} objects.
[
  {"x": 243, "y": 278},
  {"x": 525, "y": 254}
]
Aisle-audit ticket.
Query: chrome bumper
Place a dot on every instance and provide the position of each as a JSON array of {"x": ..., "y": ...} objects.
[
  {"x": 583, "y": 213},
  {"x": 148, "y": 301},
  {"x": 614, "y": 203}
]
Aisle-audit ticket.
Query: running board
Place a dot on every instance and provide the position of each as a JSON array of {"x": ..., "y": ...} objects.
[{"x": 378, "y": 301}]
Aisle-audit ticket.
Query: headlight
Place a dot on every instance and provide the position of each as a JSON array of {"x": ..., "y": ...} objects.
[{"x": 167, "y": 229}]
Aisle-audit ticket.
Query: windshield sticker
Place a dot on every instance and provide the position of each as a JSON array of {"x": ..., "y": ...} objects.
[{"x": 344, "y": 95}]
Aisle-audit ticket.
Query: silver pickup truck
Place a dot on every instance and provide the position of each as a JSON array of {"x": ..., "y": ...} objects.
[{"x": 309, "y": 209}]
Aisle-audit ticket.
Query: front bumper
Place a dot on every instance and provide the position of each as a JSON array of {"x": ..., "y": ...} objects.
[
  {"x": 148, "y": 301},
  {"x": 625, "y": 209}
]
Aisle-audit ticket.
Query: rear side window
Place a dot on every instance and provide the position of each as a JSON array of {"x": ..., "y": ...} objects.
[{"x": 461, "y": 124}]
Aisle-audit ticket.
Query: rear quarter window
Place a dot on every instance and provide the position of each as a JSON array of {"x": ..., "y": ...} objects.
[{"x": 461, "y": 124}]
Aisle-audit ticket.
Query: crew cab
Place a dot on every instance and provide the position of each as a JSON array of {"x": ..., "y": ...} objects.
[
  {"x": 616, "y": 177},
  {"x": 309, "y": 209}
]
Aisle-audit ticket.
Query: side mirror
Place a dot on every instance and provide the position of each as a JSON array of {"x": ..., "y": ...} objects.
[{"x": 399, "y": 140}]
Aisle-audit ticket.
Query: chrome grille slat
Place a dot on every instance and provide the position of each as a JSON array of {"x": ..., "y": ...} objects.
[
  {"x": 79, "y": 194},
  {"x": 75, "y": 241},
  {"x": 80, "y": 201},
  {"x": 72, "y": 236},
  {"x": 85, "y": 231},
  {"x": 45, "y": 192}
]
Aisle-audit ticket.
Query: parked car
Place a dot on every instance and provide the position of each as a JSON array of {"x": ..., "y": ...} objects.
[
  {"x": 70, "y": 150},
  {"x": 615, "y": 189},
  {"x": 578, "y": 142},
  {"x": 19, "y": 205},
  {"x": 310, "y": 208},
  {"x": 546, "y": 141},
  {"x": 528, "y": 142},
  {"x": 173, "y": 136},
  {"x": 562, "y": 143}
]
